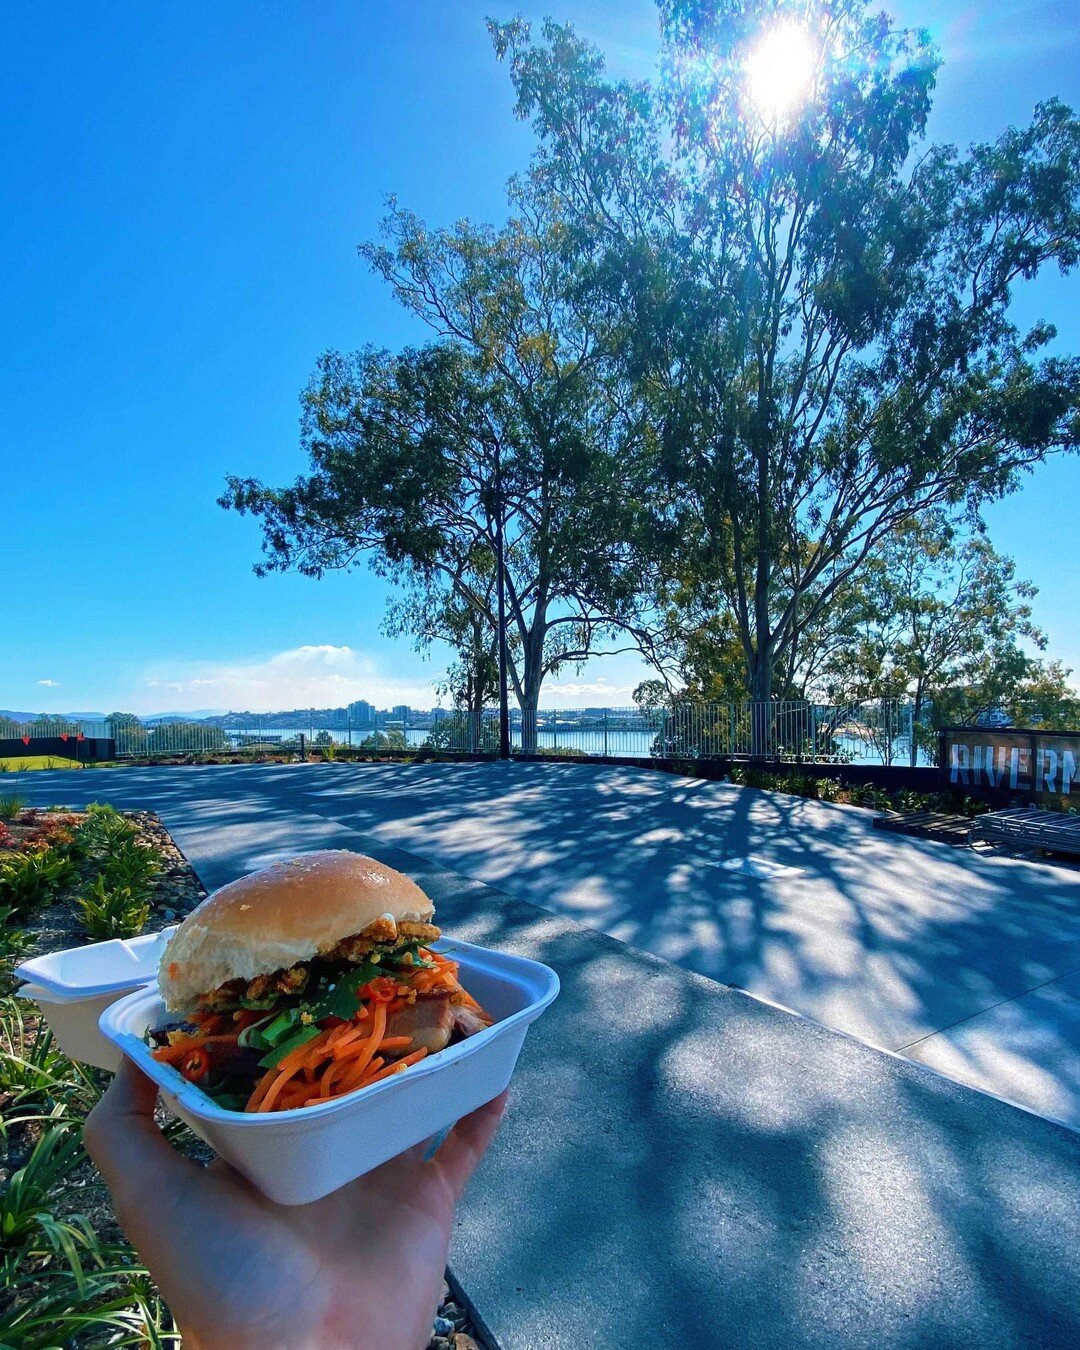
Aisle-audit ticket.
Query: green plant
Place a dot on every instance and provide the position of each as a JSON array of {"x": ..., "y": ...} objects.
[
  {"x": 103, "y": 831},
  {"x": 26, "y": 1205},
  {"x": 828, "y": 790},
  {"x": 872, "y": 796},
  {"x": 327, "y": 752},
  {"x": 115, "y": 1304},
  {"x": 112, "y": 911},
  {"x": 11, "y": 803},
  {"x": 33, "y": 1072},
  {"x": 13, "y": 945},
  {"x": 30, "y": 880},
  {"x": 132, "y": 865}
]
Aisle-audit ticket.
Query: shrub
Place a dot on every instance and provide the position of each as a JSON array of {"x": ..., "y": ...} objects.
[
  {"x": 13, "y": 946},
  {"x": 102, "y": 832},
  {"x": 828, "y": 790},
  {"x": 10, "y": 805},
  {"x": 112, "y": 911},
  {"x": 26, "y": 1211},
  {"x": 131, "y": 865},
  {"x": 327, "y": 752},
  {"x": 30, "y": 880}
]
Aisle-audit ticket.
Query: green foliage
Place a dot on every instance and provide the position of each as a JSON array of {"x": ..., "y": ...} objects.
[
  {"x": 10, "y": 805},
  {"x": 327, "y": 752},
  {"x": 26, "y": 1212},
  {"x": 132, "y": 866},
  {"x": 31, "y": 880},
  {"x": 817, "y": 304},
  {"x": 14, "y": 944},
  {"x": 103, "y": 832},
  {"x": 114, "y": 1304},
  {"x": 33, "y": 1071},
  {"x": 110, "y": 910},
  {"x": 391, "y": 739},
  {"x": 403, "y": 452}
]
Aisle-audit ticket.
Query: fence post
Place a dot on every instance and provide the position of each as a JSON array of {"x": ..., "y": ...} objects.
[
  {"x": 605, "y": 733},
  {"x": 303, "y": 751}
]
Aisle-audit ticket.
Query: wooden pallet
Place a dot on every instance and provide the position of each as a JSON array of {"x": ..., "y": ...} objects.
[
  {"x": 1029, "y": 827},
  {"x": 927, "y": 825}
]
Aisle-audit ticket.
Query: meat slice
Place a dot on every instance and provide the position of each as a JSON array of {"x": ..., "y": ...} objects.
[
  {"x": 467, "y": 1021},
  {"x": 428, "y": 1021}
]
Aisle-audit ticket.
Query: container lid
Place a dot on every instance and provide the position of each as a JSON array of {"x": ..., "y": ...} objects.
[{"x": 100, "y": 968}]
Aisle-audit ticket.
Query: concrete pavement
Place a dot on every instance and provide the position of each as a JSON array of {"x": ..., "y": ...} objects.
[
  {"x": 681, "y": 1164},
  {"x": 968, "y": 963}
]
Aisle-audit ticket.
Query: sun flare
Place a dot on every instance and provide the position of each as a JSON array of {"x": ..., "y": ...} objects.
[{"x": 780, "y": 69}]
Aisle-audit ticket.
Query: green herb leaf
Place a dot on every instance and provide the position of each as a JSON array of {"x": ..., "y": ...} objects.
[
  {"x": 302, "y": 1036},
  {"x": 342, "y": 1001}
]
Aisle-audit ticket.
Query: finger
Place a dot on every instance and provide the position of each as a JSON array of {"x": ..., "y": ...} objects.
[
  {"x": 467, "y": 1143},
  {"x": 122, "y": 1138}
]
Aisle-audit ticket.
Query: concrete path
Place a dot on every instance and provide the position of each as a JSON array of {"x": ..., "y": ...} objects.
[
  {"x": 683, "y": 1165},
  {"x": 968, "y": 963}
]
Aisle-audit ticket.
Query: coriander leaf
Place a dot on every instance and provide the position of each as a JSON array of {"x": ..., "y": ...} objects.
[{"x": 342, "y": 1001}]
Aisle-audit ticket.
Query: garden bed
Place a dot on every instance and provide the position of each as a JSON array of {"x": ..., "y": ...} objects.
[{"x": 67, "y": 1275}]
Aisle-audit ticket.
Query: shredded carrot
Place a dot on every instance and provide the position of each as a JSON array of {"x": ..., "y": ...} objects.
[
  {"x": 277, "y": 1087},
  {"x": 260, "y": 1089},
  {"x": 357, "y": 1076},
  {"x": 396, "y": 1043},
  {"x": 399, "y": 1067}
]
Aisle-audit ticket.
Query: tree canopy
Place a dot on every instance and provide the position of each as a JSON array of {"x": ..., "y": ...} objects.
[
  {"x": 405, "y": 450},
  {"x": 815, "y": 304}
]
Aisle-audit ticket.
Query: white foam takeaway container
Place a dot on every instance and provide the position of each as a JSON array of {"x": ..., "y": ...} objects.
[
  {"x": 74, "y": 987},
  {"x": 298, "y": 1156}
]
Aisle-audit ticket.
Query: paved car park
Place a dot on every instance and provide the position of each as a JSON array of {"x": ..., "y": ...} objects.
[
  {"x": 682, "y": 1164},
  {"x": 967, "y": 962}
]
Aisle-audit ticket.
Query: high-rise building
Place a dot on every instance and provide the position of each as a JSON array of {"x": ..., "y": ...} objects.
[
  {"x": 361, "y": 713},
  {"x": 401, "y": 712}
]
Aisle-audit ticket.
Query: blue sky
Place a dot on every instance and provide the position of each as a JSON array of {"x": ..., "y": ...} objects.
[{"x": 182, "y": 188}]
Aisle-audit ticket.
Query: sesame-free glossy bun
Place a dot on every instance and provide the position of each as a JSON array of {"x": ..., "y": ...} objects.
[{"x": 284, "y": 914}]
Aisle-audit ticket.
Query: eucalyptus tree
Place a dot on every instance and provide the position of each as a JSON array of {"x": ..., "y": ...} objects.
[
  {"x": 512, "y": 421},
  {"x": 816, "y": 301},
  {"x": 940, "y": 611}
]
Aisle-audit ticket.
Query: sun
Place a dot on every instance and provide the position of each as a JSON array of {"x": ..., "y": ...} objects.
[{"x": 780, "y": 69}]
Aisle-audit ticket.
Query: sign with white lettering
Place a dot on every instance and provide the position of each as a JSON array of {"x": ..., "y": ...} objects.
[{"x": 1012, "y": 763}]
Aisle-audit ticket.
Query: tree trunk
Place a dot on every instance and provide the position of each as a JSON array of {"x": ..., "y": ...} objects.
[
  {"x": 761, "y": 705},
  {"x": 916, "y": 712}
]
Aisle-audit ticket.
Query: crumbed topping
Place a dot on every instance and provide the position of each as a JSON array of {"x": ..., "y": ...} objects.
[{"x": 384, "y": 932}]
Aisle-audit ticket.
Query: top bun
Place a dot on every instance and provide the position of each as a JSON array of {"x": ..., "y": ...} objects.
[{"x": 284, "y": 914}]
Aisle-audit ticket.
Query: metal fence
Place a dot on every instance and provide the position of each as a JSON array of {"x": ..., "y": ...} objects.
[{"x": 867, "y": 733}]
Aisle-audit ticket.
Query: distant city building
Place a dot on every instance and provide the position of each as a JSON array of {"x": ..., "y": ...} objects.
[
  {"x": 361, "y": 713},
  {"x": 401, "y": 712}
]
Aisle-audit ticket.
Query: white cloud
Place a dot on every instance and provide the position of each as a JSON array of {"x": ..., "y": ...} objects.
[
  {"x": 303, "y": 677},
  {"x": 595, "y": 693},
  {"x": 49, "y": 684}
]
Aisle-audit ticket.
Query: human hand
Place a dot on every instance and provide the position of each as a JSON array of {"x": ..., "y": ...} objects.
[{"x": 361, "y": 1267}]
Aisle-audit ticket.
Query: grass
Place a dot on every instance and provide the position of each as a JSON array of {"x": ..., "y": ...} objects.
[
  {"x": 21, "y": 763},
  {"x": 10, "y": 805}
]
